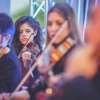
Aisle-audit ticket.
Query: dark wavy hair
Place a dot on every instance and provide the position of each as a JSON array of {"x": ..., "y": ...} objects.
[
  {"x": 38, "y": 39},
  {"x": 68, "y": 14}
]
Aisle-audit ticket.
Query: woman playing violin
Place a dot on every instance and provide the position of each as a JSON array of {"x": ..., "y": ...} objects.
[{"x": 27, "y": 30}]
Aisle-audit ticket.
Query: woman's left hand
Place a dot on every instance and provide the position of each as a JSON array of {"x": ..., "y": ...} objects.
[
  {"x": 4, "y": 96},
  {"x": 26, "y": 58},
  {"x": 20, "y": 95}
]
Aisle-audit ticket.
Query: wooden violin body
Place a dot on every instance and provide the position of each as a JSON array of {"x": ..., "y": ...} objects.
[{"x": 33, "y": 48}]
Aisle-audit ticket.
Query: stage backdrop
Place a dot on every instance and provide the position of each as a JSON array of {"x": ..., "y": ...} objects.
[{"x": 5, "y": 6}]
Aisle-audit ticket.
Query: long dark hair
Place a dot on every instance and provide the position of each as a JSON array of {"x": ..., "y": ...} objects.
[
  {"x": 38, "y": 39},
  {"x": 68, "y": 14}
]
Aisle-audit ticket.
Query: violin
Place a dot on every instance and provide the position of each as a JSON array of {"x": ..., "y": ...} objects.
[
  {"x": 34, "y": 50},
  {"x": 54, "y": 55},
  {"x": 29, "y": 46}
]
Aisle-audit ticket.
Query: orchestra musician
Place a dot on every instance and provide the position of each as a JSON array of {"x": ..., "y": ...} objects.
[
  {"x": 10, "y": 68},
  {"x": 27, "y": 30},
  {"x": 83, "y": 66}
]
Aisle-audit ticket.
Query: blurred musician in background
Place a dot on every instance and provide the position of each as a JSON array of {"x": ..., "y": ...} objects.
[
  {"x": 83, "y": 66},
  {"x": 10, "y": 69}
]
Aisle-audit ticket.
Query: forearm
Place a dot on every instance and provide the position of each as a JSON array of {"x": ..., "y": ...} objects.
[{"x": 21, "y": 95}]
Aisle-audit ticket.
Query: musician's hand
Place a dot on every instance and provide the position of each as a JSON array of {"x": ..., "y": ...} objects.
[
  {"x": 40, "y": 64},
  {"x": 4, "y": 96},
  {"x": 26, "y": 58},
  {"x": 21, "y": 95},
  {"x": 44, "y": 63}
]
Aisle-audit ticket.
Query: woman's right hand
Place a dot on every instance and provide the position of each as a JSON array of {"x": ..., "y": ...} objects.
[
  {"x": 44, "y": 63},
  {"x": 21, "y": 95},
  {"x": 4, "y": 96}
]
